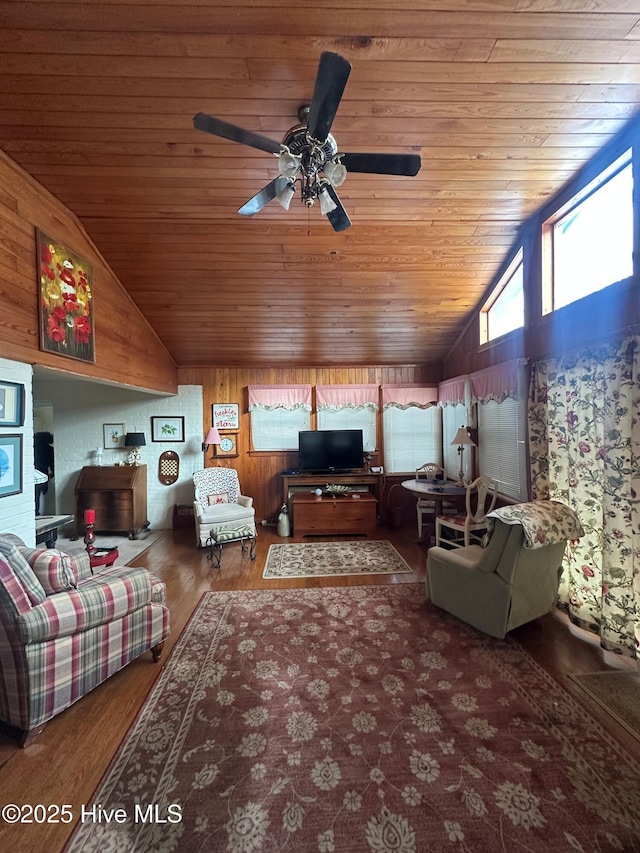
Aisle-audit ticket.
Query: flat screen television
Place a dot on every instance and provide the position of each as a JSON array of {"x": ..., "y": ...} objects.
[{"x": 330, "y": 451}]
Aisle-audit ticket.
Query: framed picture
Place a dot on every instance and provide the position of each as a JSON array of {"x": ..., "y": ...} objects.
[
  {"x": 228, "y": 445},
  {"x": 65, "y": 299},
  {"x": 10, "y": 465},
  {"x": 225, "y": 415},
  {"x": 11, "y": 404},
  {"x": 167, "y": 429},
  {"x": 113, "y": 436}
]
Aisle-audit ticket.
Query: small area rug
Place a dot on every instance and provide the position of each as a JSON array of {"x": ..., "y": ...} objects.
[
  {"x": 323, "y": 559},
  {"x": 128, "y": 549},
  {"x": 616, "y": 692},
  {"x": 359, "y": 719}
]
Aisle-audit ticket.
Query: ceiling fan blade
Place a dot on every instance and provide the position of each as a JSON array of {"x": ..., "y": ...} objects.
[
  {"x": 261, "y": 199},
  {"x": 217, "y": 127},
  {"x": 332, "y": 76},
  {"x": 338, "y": 218},
  {"x": 383, "y": 164}
]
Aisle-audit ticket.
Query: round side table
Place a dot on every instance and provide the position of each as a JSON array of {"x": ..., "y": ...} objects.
[{"x": 103, "y": 557}]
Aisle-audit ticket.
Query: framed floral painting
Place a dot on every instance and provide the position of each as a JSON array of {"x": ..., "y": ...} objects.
[
  {"x": 66, "y": 300},
  {"x": 167, "y": 429}
]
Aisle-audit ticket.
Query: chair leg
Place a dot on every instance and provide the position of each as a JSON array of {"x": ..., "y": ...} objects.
[{"x": 156, "y": 651}]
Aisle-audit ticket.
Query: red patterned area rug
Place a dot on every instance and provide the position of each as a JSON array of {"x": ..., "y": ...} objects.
[{"x": 354, "y": 720}]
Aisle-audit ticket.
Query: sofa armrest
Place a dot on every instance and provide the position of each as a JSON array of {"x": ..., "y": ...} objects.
[
  {"x": 81, "y": 563},
  {"x": 243, "y": 500},
  {"x": 96, "y": 601},
  {"x": 462, "y": 558}
]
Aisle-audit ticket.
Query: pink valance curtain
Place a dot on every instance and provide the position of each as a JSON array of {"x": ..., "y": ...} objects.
[
  {"x": 347, "y": 396},
  {"x": 407, "y": 396},
  {"x": 451, "y": 391},
  {"x": 271, "y": 397},
  {"x": 495, "y": 383}
]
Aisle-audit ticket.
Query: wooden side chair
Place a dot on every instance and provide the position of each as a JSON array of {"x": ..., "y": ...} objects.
[
  {"x": 469, "y": 528},
  {"x": 424, "y": 506}
]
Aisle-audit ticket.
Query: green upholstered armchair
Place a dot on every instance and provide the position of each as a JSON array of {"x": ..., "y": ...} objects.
[{"x": 515, "y": 578}]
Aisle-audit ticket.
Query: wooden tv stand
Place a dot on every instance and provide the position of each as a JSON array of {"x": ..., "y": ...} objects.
[
  {"x": 313, "y": 481},
  {"x": 329, "y": 515}
]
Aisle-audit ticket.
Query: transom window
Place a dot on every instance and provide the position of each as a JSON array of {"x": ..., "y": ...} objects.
[
  {"x": 503, "y": 312},
  {"x": 588, "y": 243}
]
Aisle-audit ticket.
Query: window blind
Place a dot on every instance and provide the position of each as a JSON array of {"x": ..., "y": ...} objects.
[
  {"x": 278, "y": 413},
  {"x": 502, "y": 427},
  {"x": 277, "y": 429},
  {"x": 412, "y": 437}
]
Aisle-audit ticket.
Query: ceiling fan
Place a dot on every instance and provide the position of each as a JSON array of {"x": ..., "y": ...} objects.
[{"x": 308, "y": 153}]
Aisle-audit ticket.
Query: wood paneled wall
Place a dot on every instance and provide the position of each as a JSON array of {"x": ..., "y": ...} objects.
[
  {"x": 127, "y": 349},
  {"x": 260, "y": 471}
]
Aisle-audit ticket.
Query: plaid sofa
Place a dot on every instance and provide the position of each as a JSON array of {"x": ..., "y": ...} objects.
[{"x": 64, "y": 630}]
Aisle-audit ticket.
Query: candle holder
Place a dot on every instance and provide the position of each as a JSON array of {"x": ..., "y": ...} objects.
[
  {"x": 89, "y": 535},
  {"x": 89, "y": 540}
]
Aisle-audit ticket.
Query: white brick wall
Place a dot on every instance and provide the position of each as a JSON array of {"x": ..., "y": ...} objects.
[
  {"x": 79, "y": 411},
  {"x": 17, "y": 512}
]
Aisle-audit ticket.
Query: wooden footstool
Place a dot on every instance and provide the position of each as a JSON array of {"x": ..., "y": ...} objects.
[{"x": 225, "y": 533}]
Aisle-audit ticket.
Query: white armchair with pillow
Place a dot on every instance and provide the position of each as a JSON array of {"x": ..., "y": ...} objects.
[{"x": 218, "y": 502}]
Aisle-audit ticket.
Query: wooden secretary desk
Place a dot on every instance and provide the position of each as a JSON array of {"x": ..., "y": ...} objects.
[{"x": 118, "y": 494}]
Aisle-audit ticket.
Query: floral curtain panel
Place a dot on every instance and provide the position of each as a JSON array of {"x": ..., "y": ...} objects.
[{"x": 584, "y": 423}]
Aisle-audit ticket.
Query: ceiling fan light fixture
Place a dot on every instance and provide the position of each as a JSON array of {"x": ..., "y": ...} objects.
[
  {"x": 288, "y": 163},
  {"x": 327, "y": 204},
  {"x": 285, "y": 195},
  {"x": 335, "y": 172}
]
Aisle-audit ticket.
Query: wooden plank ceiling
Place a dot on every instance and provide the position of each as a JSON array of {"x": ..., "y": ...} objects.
[{"x": 503, "y": 99}]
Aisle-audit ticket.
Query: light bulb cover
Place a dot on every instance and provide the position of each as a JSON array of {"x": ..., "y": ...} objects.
[
  {"x": 285, "y": 195},
  {"x": 335, "y": 172},
  {"x": 288, "y": 163},
  {"x": 327, "y": 204}
]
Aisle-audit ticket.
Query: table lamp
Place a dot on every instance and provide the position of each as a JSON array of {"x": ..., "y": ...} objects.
[
  {"x": 462, "y": 438},
  {"x": 134, "y": 441}
]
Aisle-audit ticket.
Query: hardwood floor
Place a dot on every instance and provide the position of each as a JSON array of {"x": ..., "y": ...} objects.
[{"x": 67, "y": 761}]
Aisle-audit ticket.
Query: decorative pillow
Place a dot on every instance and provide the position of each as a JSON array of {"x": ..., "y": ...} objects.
[
  {"x": 220, "y": 498},
  {"x": 53, "y": 568}
]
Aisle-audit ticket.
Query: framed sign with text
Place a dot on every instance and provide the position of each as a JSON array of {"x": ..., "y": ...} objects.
[{"x": 225, "y": 415}]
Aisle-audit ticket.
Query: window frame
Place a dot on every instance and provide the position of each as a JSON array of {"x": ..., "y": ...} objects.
[
  {"x": 606, "y": 174},
  {"x": 496, "y": 293}
]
